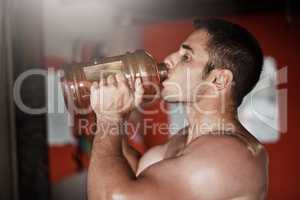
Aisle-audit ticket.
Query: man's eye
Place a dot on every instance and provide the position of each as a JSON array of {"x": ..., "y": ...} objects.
[{"x": 185, "y": 58}]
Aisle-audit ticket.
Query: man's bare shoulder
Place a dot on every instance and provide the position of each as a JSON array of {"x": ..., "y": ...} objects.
[
  {"x": 229, "y": 164},
  {"x": 226, "y": 150},
  {"x": 220, "y": 165},
  {"x": 236, "y": 147},
  {"x": 161, "y": 152}
]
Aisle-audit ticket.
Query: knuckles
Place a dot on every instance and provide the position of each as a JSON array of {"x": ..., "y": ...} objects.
[{"x": 114, "y": 97}]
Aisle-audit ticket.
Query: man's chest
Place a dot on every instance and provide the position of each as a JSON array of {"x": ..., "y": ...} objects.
[{"x": 173, "y": 148}]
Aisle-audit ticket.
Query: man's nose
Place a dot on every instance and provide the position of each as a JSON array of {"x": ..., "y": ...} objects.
[
  {"x": 170, "y": 61},
  {"x": 169, "y": 66}
]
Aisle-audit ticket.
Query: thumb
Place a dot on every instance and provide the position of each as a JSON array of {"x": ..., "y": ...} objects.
[
  {"x": 139, "y": 92},
  {"x": 94, "y": 95}
]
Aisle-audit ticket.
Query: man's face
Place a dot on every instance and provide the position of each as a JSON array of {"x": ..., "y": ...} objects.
[{"x": 186, "y": 68}]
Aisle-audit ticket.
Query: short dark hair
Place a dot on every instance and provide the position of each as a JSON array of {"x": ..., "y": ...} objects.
[{"x": 232, "y": 47}]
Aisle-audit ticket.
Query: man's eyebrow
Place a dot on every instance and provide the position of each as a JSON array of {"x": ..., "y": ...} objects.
[{"x": 187, "y": 47}]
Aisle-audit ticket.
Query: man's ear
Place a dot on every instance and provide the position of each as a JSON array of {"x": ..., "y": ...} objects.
[{"x": 221, "y": 78}]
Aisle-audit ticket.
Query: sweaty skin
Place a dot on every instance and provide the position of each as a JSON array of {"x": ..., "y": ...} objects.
[{"x": 204, "y": 161}]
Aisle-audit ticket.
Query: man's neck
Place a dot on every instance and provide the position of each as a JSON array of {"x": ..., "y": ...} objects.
[{"x": 210, "y": 117}]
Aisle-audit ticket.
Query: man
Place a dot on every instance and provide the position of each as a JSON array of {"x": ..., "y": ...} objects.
[{"x": 214, "y": 157}]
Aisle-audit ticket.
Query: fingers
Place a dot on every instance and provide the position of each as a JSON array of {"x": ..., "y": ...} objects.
[
  {"x": 112, "y": 95},
  {"x": 139, "y": 92},
  {"x": 111, "y": 80},
  {"x": 121, "y": 79},
  {"x": 94, "y": 96},
  {"x": 102, "y": 82},
  {"x": 94, "y": 87},
  {"x": 118, "y": 79}
]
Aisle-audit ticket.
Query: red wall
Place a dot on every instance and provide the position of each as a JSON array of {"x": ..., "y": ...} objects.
[{"x": 279, "y": 40}]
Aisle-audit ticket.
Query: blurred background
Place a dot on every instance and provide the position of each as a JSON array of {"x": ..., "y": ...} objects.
[{"x": 42, "y": 157}]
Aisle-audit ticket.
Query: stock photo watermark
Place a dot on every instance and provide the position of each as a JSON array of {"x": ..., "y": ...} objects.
[{"x": 65, "y": 96}]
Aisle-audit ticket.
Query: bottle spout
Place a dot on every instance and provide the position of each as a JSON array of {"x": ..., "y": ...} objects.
[{"x": 162, "y": 71}]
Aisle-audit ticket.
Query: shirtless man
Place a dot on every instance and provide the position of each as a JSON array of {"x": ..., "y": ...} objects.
[{"x": 221, "y": 62}]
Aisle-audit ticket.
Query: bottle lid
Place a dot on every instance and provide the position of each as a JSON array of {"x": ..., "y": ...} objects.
[{"x": 162, "y": 71}]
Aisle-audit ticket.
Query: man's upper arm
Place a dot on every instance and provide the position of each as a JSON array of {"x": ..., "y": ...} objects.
[
  {"x": 220, "y": 170},
  {"x": 167, "y": 179}
]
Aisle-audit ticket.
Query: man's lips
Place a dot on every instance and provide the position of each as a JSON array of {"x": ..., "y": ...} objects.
[{"x": 166, "y": 82}]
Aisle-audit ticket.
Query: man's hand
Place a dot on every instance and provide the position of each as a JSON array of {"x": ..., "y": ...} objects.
[{"x": 113, "y": 99}]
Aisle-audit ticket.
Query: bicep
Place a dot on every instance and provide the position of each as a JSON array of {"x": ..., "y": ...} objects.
[
  {"x": 204, "y": 174},
  {"x": 167, "y": 179}
]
